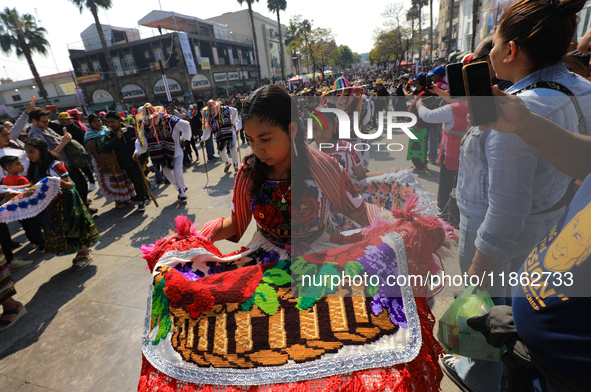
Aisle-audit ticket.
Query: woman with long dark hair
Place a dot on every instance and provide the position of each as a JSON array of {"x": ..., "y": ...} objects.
[
  {"x": 509, "y": 196},
  {"x": 68, "y": 226}
]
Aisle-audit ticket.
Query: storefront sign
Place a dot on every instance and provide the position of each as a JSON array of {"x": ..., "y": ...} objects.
[
  {"x": 173, "y": 86},
  {"x": 100, "y": 96},
  {"x": 200, "y": 82},
  {"x": 233, "y": 76},
  {"x": 132, "y": 91},
  {"x": 220, "y": 77},
  {"x": 88, "y": 78}
]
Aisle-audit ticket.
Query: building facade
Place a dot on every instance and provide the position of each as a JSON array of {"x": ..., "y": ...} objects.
[
  {"x": 487, "y": 15},
  {"x": 267, "y": 40},
  {"x": 197, "y": 57},
  {"x": 61, "y": 90}
]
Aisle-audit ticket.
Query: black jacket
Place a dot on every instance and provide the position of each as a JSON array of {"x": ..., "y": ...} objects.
[{"x": 123, "y": 147}]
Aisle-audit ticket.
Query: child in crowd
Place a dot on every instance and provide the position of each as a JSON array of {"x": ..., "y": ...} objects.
[{"x": 13, "y": 167}]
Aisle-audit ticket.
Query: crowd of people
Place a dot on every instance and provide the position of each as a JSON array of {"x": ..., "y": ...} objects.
[{"x": 246, "y": 315}]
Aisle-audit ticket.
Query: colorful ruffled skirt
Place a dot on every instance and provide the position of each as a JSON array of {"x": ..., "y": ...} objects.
[
  {"x": 115, "y": 184},
  {"x": 68, "y": 226}
]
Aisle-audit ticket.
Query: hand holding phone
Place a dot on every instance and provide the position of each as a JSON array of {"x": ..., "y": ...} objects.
[
  {"x": 479, "y": 91},
  {"x": 455, "y": 80}
]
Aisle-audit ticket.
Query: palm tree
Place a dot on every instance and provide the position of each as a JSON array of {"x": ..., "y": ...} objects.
[
  {"x": 411, "y": 15},
  {"x": 419, "y": 4},
  {"x": 254, "y": 34},
  {"x": 276, "y": 6},
  {"x": 21, "y": 34},
  {"x": 93, "y": 6},
  {"x": 431, "y": 31}
]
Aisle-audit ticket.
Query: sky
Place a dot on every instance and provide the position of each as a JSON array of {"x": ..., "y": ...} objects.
[{"x": 352, "y": 24}]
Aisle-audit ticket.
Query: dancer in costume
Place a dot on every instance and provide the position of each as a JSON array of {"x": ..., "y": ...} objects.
[
  {"x": 352, "y": 99},
  {"x": 222, "y": 122},
  {"x": 68, "y": 226},
  {"x": 114, "y": 182},
  {"x": 236, "y": 322},
  {"x": 161, "y": 136}
]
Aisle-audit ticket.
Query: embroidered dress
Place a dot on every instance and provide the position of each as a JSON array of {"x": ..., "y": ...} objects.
[
  {"x": 388, "y": 190},
  {"x": 247, "y": 320},
  {"x": 67, "y": 224},
  {"x": 114, "y": 182},
  {"x": 6, "y": 283}
]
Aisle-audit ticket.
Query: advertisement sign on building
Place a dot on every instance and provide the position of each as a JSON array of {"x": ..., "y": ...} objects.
[
  {"x": 88, "y": 78},
  {"x": 80, "y": 96},
  {"x": 216, "y": 59},
  {"x": 220, "y": 77},
  {"x": 132, "y": 91},
  {"x": 231, "y": 56},
  {"x": 240, "y": 56},
  {"x": 233, "y": 76},
  {"x": 187, "y": 54},
  {"x": 205, "y": 63},
  {"x": 200, "y": 82},
  {"x": 48, "y": 78},
  {"x": 100, "y": 96},
  {"x": 253, "y": 74},
  {"x": 173, "y": 86}
]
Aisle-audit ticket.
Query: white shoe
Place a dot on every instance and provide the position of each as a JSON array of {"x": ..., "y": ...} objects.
[
  {"x": 91, "y": 187},
  {"x": 17, "y": 264}
]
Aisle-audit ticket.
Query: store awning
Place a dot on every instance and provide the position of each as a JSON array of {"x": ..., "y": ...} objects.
[{"x": 97, "y": 107}]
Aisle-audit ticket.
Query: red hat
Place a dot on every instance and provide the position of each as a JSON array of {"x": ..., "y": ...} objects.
[
  {"x": 134, "y": 111},
  {"x": 74, "y": 111}
]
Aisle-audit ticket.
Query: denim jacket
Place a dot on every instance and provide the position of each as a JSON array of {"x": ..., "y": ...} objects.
[{"x": 503, "y": 179}]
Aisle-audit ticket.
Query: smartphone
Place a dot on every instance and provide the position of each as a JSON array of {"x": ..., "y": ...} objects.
[
  {"x": 455, "y": 80},
  {"x": 429, "y": 82},
  {"x": 479, "y": 92}
]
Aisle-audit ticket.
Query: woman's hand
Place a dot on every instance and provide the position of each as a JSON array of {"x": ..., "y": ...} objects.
[
  {"x": 512, "y": 114},
  {"x": 481, "y": 267}
]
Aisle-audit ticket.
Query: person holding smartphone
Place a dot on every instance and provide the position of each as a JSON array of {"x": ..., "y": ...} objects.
[{"x": 510, "y": 196}]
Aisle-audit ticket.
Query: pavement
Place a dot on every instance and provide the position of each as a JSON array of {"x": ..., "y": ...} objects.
[{"x": 82, "y": 329}]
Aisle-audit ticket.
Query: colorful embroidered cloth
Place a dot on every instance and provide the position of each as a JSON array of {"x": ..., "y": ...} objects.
[
  {"x": 391, "y": 190},
  {"x": 248, "y": 327},
  {"x": 29, "y": 202}
]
